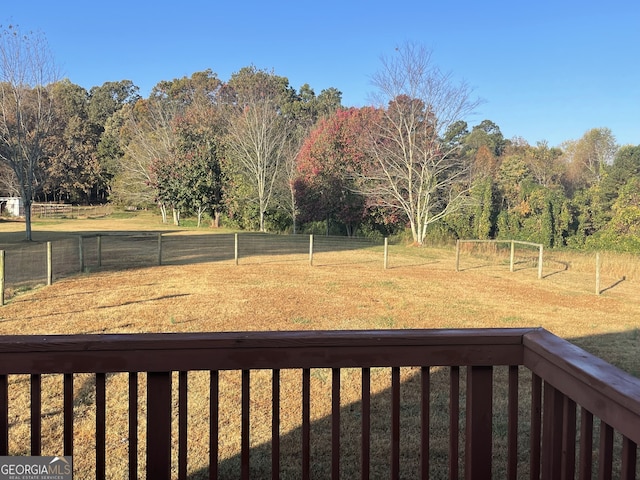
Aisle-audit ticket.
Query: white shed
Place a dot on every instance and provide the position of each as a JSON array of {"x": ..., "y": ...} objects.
[{"x": 11, "y": 206}]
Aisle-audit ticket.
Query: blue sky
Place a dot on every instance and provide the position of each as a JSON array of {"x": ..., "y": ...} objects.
[{"x": 545, "y": 70}]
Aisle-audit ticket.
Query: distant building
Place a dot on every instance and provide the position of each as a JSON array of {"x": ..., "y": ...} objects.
[{"x": 11, "y": 206}]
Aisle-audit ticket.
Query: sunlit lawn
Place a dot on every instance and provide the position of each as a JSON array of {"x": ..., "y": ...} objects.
[{"x": 342, "y": 290}]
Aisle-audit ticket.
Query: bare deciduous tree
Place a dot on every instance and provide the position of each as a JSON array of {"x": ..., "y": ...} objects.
[
  {"x": 413, "y": 170},
  {"x": 292, "y": 147},
  {"x": 146, "y": 138},
  {"x": 257, "y": 138},
  {"x": 588, "y": 157},
  {"x": 27, "y": 72}
]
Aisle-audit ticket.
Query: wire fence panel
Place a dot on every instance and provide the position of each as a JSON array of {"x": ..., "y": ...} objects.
[
  {"x": 128, "y": 251},
  {"x": 65, "y": 257},
  {"x": 28, "y": 264},
  {"x": 266, "y": 244},
  {"x": 185, "y": 249},
  {"x": 325, "y": 244}
]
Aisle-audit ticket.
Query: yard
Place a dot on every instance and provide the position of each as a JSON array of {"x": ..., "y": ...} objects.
[{"x": 341, "y": 291}]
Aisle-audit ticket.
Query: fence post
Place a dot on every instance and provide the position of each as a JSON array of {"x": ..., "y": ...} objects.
[
  {"x": 99, "y": 240},
  {"x": 160, "y": 249},
  {"x": 81, "y": 253},
  {"x": 235, "y": 248},
  {"x": 311, "y": 250},
  {"x": 386, "y": 252},
  {"x": 597, "y": 273},
  {"x": 540, "y": 263},
  {"x": 2, "y": 277},
  {"x": 49, "y": 264},
  {"x": 457, "y": 255},
  {"x": 513, "y": 255}
]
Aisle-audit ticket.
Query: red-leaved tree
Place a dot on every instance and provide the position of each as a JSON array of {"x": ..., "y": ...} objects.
[{"x": 328, "y": 159}]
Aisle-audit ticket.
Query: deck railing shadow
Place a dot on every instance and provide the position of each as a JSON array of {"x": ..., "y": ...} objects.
[{"x": 446, "y": 452}]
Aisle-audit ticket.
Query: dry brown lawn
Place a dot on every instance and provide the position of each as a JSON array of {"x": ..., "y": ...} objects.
[{"x": 342, "y": 290}]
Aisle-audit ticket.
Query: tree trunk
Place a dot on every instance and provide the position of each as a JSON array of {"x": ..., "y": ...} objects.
[
  {"x": 415, "y": 234},
  {"x": 163, "y": 212},
  {"x": 262, "y": 229},
  {"x": 215, "y": 221},
  {"x": 27, "y": 218},
  {"x": 200, "y": 211}
]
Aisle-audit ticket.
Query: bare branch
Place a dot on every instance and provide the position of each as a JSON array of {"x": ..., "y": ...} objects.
[
  {"x": 27, "y": 72},
  {"x": 414, "y": 172}
]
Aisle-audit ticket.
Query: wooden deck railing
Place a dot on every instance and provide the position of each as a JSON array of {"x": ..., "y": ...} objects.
[{"x": 569, "y": 388}]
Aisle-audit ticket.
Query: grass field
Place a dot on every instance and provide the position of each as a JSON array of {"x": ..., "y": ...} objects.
[{"x": 342, "y": 290}]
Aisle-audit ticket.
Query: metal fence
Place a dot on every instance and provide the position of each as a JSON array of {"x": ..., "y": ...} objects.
[{"x": 28, "y": 265}]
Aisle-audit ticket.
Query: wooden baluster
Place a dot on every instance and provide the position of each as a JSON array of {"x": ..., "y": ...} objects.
[
  {"x": 536, "y": 427},
  {"x": 306, "y": 425},
  {"x": 335, "y": 423},
  {"x": 133, "y": 426},
  {"x": 454, "y": 422},
  {"x": 246, "y": 403},
  {"x": 395, "y": 422},
  {"x": 4, "y": 415},
  {"x": 182, "y": 425},
  {"x": 214, "y": 416},
  {"x": 366, "y": 423},
  {"x": 552, "y": 423},
  {"x": 159, "y": 425},
  {"x": 101, "y": 427},
  {"x": 275, "y": 424},
  {"x": 629, "y": 457},
  {"x": 512, "y": 424},
  {"x": 36, "y": 414},
  {"x": 586, "y": 445},
  {"x": 478, "y": 451}
]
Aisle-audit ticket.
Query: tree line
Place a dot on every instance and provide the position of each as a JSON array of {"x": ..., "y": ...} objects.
[{"x": 253, "y": 152}]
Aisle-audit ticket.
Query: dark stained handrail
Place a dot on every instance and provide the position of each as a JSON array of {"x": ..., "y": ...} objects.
[{"x": 610, "y": 393}]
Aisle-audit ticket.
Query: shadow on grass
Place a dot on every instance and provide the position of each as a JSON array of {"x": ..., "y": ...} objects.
[
  {"x": 564, "y": 266},
  {"x": 614, "y": 284},
  {"x": 100, "y": 307},
  {"x": 290, "y": 457},
  {"x": 416, "y": 264}
]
